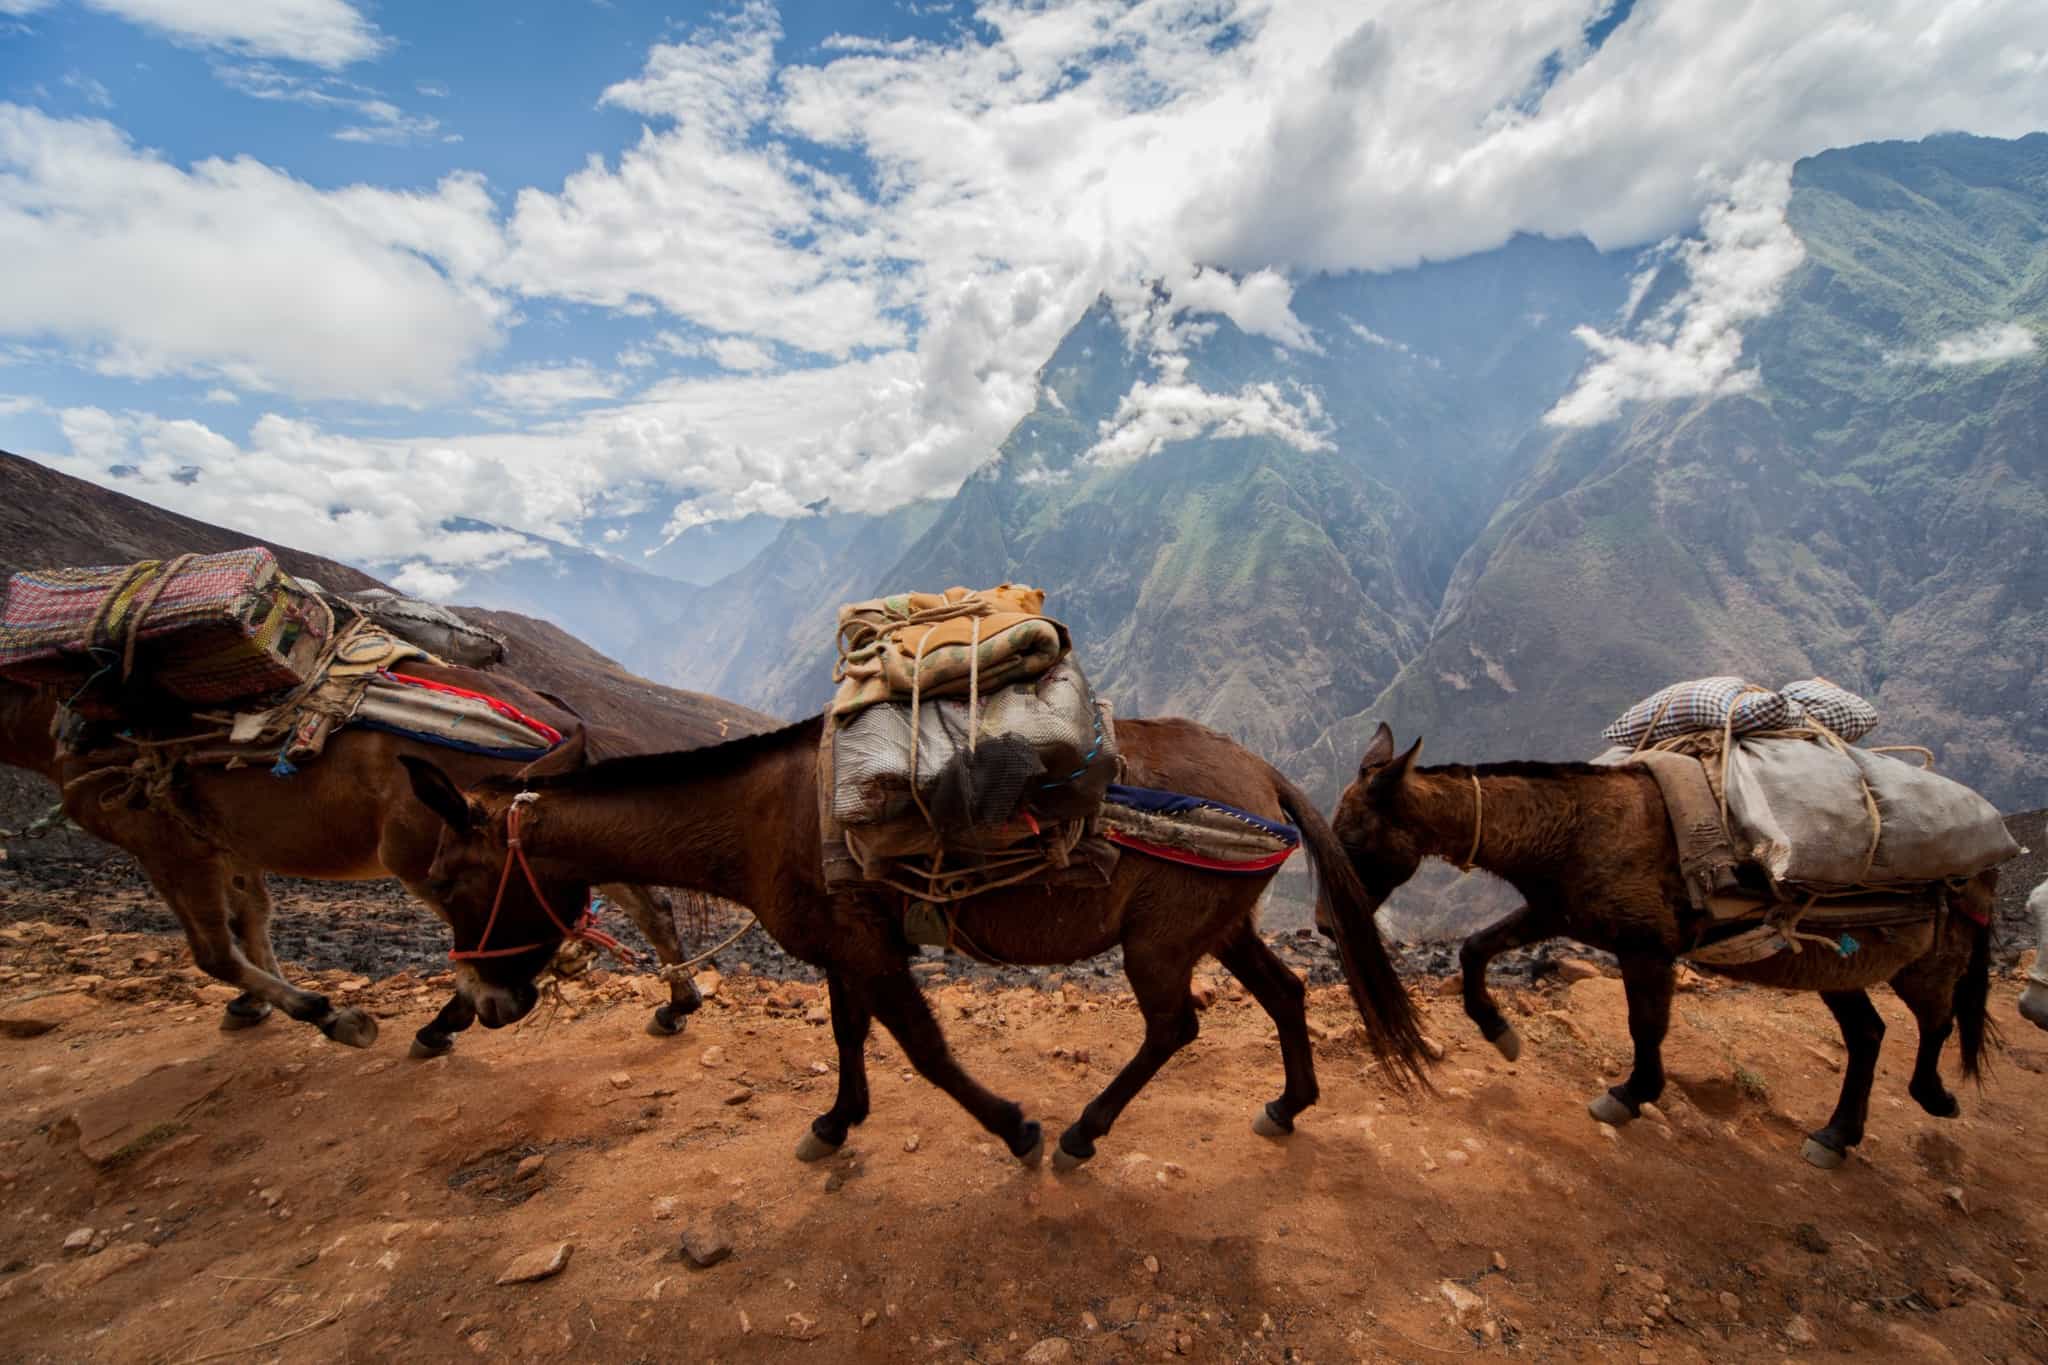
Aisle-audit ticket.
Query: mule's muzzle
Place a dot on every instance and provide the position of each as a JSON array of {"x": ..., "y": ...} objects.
[{"x": 497, "y": 1006}]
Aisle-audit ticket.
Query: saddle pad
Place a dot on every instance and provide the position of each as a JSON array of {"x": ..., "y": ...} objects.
[
  {"x": 453, "y": 717},
  {"x": 1195, "y": 831}
]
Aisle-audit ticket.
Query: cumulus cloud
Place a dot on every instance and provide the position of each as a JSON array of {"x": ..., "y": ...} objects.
[
  {"x": 325, "y": 33},
  {"x": 1994, "y": 343},
  {"x": 1692, "y": 347},
  {"x": 540, "y": 388},
  {"x": 236, "y": 271},
  {"x": 1155, "y": 414}
]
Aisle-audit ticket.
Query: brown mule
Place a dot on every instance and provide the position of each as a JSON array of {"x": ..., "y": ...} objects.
[
  {"x": 1591, "y": 851},
  {"x": 740, "y": 820},
  {"x": 348, "y": 816}
]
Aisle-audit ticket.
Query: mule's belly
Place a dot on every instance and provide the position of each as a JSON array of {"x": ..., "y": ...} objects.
[{"x": 1879, "y": 956}]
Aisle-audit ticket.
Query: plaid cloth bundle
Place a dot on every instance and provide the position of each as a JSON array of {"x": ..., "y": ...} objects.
[
  {"x": 1839, "y": 709},
  {"x": 1702, "y": 704},
  {"x": 203, "y": 628}
]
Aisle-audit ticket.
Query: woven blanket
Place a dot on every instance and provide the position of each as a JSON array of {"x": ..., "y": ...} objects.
[
  {"x": 1195, "y": 831},
  {"x": 203, "y": 628},
  {"x": 452, "y": 717}
]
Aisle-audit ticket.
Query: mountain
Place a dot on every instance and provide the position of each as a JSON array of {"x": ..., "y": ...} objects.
[{"x": 1295, "y": 532}]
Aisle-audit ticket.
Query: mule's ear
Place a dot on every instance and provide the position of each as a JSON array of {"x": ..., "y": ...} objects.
[
  {"x": 565, "y": 757},
  {"x": 437, "y": 793},
  {"x": 1390, "y": 777},
  {"x": 1378, "y": 752}
]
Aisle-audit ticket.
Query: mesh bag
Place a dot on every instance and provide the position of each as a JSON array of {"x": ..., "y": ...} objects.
[
  {"x": 1702, "y": 704},
  {"x": 1837, "y": 708}
]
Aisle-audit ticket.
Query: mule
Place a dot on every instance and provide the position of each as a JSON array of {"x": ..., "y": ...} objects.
[
  {"x": 1591, "y": 851},
  {"x": 740, "y": 820},
  {"x": 347, "y": 816}
]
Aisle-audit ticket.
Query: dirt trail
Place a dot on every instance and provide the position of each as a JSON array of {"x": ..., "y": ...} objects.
[{"x": 271, "y": 1186}]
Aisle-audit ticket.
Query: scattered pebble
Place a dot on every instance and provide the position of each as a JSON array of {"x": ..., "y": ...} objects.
[
  {"x": 529, "y": 1167},
  {"x": 1050, "y": 1351},
  {"x": 739, "y": 1094},
  {"x": 539, "y": 1264},
  {"x": 620, "y": 1080},
  {"x": 78, "y": 1239},
  {"x": 910, "y": 1144},
  {"x": 664, "y": 1208},
  {"x": 712, "y": 1056},
  {"x": 704, "y": 1245}
]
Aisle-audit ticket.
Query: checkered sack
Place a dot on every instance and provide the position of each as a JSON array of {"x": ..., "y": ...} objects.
[
  {"x": 204, "y": 628},
  {"x": 1837, "y": 708},
  {"x": 1702, "y": 704}
]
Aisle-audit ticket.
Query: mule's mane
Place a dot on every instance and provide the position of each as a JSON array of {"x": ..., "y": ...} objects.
[
  {"x": 1514, "y": 768},
  {"x": 639, "y": 772}
]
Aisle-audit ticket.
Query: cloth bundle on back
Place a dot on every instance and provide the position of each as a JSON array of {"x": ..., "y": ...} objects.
[
  {"x": 964, "y": 749},
  {"x": 1785, "y": 828}
]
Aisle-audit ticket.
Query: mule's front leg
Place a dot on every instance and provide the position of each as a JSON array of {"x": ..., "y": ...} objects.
[
  {"x": 1515, "y": 930},
  {"x": 249, "y": 916},
  {"x": 436, "y": 1038},
  {"x": 1281, "y": 994},
  {"x": 895, "y": 999},
  {"x": 1863, "y": 1035},
  {"x": 654, "y": 916},
  {"x": 1648, "y": 981},
  {"x": 850, "y": 1022}
]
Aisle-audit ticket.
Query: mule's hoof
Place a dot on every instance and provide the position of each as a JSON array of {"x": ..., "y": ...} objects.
[
  {"x": 423, "y": 1051},
  {"x": 1940, "y": 1104},
  {"x": 1818, "y": 1153},
  {"x": 1608, "y": 1109},
  {"x": 351, "y": 1028},
  {"x": 1065, "y": 1162},
  {"x": 2034, "y": 1006},
  {"x": 1509, "y": 1044},
  {"x": 665, "y": 1023},
  {"x": 238, "y": 1015},
  {"x": 1034, "y": 1156},
  {"x": 1267, "y": 1126},
  {"x": 814, "y": 1148}
]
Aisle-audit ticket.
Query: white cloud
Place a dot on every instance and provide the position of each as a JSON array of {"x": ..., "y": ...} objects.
[
  {"x": 1153, "y": 416},
  {"x": 1691, "y": 348},
  {"x": 420, "y": 579},
  {"x": 545, "y": 387},
  {"x": 14, "y": 404},
  {"x": 218, "y": 395},
  {"x": 381, "y": 121},
  {"x": 738, "y": 353},
  {"x": 20, "y": 8},
  {"x": 1994, "y": 343},
  {"x": 237, "y": 271},
  {"x": 93, "y": 92},
  {"x": 326, "y": 33}
]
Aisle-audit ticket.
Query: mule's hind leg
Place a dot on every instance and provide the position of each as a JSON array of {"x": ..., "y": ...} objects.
[
  {"x": 1281, "y": 994},
  {"x": 1648, "y": 981},
  {"x": 1516, "y": 930},
  {"x": 895, "y": 999},
  {"x": 1863, "y": 1035},
  {"x": 850, "y": 1022},
  {"x": 249, "y": 916},
  {"x": 196, "y": 889},
  {"x": 654, "y": 916},
  {"x": 1928, "y": 988},
  {"x": 1170, "y": 1025}
]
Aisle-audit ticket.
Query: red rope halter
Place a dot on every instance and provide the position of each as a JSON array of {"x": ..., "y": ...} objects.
[{"x": 585, "y": 927}]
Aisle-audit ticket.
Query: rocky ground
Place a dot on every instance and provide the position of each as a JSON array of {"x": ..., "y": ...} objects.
[{"x": 170, "y": 1193}]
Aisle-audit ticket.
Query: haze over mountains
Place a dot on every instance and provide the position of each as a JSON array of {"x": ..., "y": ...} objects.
[{"x": 1812, "y": 442}]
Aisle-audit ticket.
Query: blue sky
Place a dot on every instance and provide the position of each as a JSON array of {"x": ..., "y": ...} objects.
[{"x": 343, "y": 272}]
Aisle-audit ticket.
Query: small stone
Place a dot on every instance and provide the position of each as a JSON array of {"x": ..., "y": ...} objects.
[
  {"x": 1572, "y": 969},
  {"x": 1799, "y": 1331},
  {"x": 712, "y": 1056},
  {"x": 868, "y": 1318},
  {"x": 539, "y": 1264},
  {"x": 820, "y": 1069},
  {"x": 664, "y": 1208},
  {"x": 529, "y": 1167},
  {"x": 1088, "y": 1322},
  {"x": 1433, "y": 1048},
  {"x": 1050, "y": 1351},
  {"x": 78, "y": 1239},
  {"x": 746, "y": 1323},
  {"x": 704, "y": 1245},
  {"x": 1731, "y": 1303},
  {"x": 910, "y": 1144},
  {"x": 1151, "y": 1265},
  {"x": 802, "y": 1326},
  {"x": 1808, "y": 1239},
  {"x": 739, "y": 1094},
  {"x": 1500, "y": 1262},
  {"x": 817, "y": 1014},
  {"x": 620, "y": 1080},
  {"x": 1953, "y": 1197},
  {"x": 708, "y": 983},
  {"x": 271, "y": 1196}
]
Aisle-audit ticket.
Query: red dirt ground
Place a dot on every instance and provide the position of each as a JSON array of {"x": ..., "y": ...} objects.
[{"x": 270, "y": 1186}]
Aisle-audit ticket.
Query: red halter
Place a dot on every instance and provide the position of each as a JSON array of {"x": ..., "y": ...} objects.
[{"x": 585, "y": 927}]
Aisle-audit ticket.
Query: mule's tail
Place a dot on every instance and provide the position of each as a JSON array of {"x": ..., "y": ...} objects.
[
  {"x": 1974, "y": 1027},
  {"x": 1376, "y": 988}
]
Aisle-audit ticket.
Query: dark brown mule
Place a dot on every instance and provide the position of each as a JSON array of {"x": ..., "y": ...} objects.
[
  {"x": 1591, "y": 851},
  {"x": 740, "y": 820},
  {"x": 348, "y": 816}
]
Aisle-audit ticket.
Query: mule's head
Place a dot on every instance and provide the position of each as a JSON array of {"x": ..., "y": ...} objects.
[
  {"x": 1382, "y": 846},
  {"x": 504, "y": 934}
]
